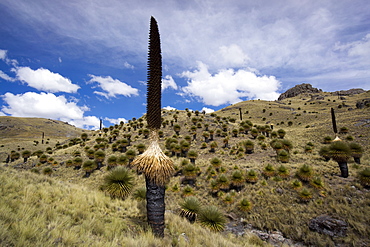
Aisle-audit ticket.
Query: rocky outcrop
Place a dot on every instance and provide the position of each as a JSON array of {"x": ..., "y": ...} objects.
[
  {"x": 327, "y": 225},
  {"x": 349, "y": 92},
  {"x": 299, "y": 89}
]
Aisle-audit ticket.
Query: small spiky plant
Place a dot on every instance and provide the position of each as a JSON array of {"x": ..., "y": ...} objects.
[
  {"x": 296, "y": 184},
  {"x": 325, "y": 153},
  {"x": 305, "y": 173},
  {"x": 364, "y": 177},
  {"x": 211, "y": 218},
  {"x": 268, "y": 171},
  {"x": 139, "y": 194},
  {"x": 245, "y": 205},
  {"x": 89, "y": 166},
  {"x": 190, "y": 208},
  {"x": 237, "y": 180},
  {"x": 118, "y": 183},
  {"x": 317, "y": 183},
  {"x": 305, "y": 195},
  {"x": 283, "y": 172},
  {"x": 153, "y": 163},
  {"x": 252, "y": 176}
]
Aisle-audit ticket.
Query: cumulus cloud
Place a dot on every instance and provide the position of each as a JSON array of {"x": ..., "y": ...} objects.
[
  {"x": 45, "y": 80},
  {"x": 116, "y": 120},
  {"x": 112, "y": 87},
  {"x": 168, "y": 82},
  {"x": 47, "y": 105},
  {"x": 5, "y": 76},
  {"x": 207, "y": 110},
  {"x": 169, "y": 108},
  {"x": 229, "y": 86},
  {"x": 128, "y": 66},
  {"x": 232, "y": 56}
]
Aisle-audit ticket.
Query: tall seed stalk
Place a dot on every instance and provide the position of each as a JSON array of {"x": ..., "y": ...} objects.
[{"x": 153, "y": 163}]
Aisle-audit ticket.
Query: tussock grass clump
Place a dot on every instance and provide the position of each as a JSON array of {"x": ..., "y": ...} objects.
[{"x": 364, "y": 177}]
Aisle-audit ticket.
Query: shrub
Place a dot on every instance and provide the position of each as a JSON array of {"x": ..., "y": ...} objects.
[
  {"x": 305, "y": 195},
  {"x": 268, "y": 171},
  {"x": 252, "y": 176}
]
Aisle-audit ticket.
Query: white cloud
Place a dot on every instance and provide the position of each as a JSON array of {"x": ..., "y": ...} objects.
[
  {"x": 2, "y": 113},
  {"x": 45, "y": 80},
  {"x": 128, "y": 66},
  {"x": 168, "y": 82},
  {"x": 169, "y": 108},
  {"x": 229, "y": 86},
  {"x": 5, "y": 76},
  {"x": 112, "y": 87},
  {"x": 116, "y": 120},
  {"x": 3, "y": 54},
  {"x": 47, "y": 105},
  {"x": 207, "y": 110},
  {"x": 232, "y": 56}
]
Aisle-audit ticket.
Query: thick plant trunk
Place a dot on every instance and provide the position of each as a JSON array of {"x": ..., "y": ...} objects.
[
  {"x": 343, "y": 169},
  {"x": 357, "y": 160},
  {"x": 155, "y": 207}
]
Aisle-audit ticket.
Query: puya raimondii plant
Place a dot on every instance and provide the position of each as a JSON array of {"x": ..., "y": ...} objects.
[{"x": 153, "y": 163}]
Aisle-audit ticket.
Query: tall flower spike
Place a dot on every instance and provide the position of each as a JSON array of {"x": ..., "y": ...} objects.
[{"x": 154, "y": 77}]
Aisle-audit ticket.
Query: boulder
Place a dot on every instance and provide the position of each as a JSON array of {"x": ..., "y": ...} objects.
[{"x": 325, "y": 224}]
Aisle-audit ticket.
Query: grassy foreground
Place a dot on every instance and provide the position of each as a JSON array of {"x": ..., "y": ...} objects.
[{"x": 36, "y": 210}]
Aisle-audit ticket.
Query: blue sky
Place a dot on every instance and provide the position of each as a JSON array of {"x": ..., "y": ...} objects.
[{"x": 79, "y": 61}]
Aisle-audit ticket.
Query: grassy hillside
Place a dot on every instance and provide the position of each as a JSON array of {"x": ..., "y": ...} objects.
[{"x": 281, "y": 202}]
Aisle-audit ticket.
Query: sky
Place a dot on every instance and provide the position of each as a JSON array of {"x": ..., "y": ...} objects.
[{"x": 82, "y": 61}]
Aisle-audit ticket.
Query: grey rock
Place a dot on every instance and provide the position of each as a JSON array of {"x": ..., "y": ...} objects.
[
  {"x": 327, "y": 225},
  {"x": 299, "y": 89}
]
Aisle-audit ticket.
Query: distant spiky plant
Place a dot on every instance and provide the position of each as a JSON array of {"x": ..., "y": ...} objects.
[
  {"x": 211, "y": 218},
  {"x": 187, "y": 191},
  {"x": 190, "y": 208},
  {"x": 216, "y": 163},
  {"x": 317, "y": 183},
  {"x": 283, "y": 172},
  {"x": 118, "y": 183},
  {"x": 296, "y": 184},
  {"x": 283, "y": 156},
  {"x": 305, "y": 173},
  {"x": 47, "y": 171},
  {"x": 268, "y": 171},
  {"x": 153, "y": 163},
  {"x": 245, "y": 205},
  {"x": 251, "y": 176},
  {"x": 364, "y": 177},
  {"x": 89, "y": 166},
  {"x": 305, "y": 195},
  {"x": 223, "y": 182},
  {"x": 237, "y": 180}
]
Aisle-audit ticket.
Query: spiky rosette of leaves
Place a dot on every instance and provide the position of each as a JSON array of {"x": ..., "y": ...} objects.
[
  {"x": 190, "y": 208},
  {"x": 364, "y": 177},
  {"x": 283, "y": 172},
  {"x": 268, "y": 171},
  {"x": 245, "y": 205},
  {"x": 154, "y": 77},
  {"x": 305, "y": 195},
  {"x": 223, "y": 182},
  {"x": 317, "y": 183},
  {"x": 305, "y": 173},
  {"x": 118, "y": 183},
  {"x": 237, "y": 178},
  {"x": 89, "y": 166},
  {"x": 325, "y": 153},
  {"x": 189, "y": 171},
  {"x": 187, "y": 191},
  {"x": 296, "y": 184},
  {"x": 153, "y": 163},
  {"x": 252, "y": 176},
  {"x": 340, "y": 151},
  {"x": 211, "y": 218}
]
